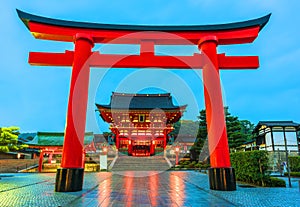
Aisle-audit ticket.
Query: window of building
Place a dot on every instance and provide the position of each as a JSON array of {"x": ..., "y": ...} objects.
[{"x": 141, "y": 117}]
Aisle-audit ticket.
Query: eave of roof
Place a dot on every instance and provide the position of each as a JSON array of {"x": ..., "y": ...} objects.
[
  {"x": 177, "y": 108},
  {"x": 55, "y": 139},
  {"x": 276, "y": 124},
  {"x": 26, "y": 17},
  {"x": 126, "y": 101},
  {"x": 279, "y": 123}
]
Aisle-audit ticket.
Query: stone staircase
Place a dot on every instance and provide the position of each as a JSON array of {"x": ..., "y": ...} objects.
[{"x": 131, "y": 163}]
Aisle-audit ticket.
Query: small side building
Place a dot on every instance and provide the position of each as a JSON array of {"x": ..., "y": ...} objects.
[
  {"x": 50, "y": 145},
  {"x": 277, "y": 136}
]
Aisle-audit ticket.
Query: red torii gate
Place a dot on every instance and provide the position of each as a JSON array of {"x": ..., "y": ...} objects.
[{"x": 85, "y": 35}]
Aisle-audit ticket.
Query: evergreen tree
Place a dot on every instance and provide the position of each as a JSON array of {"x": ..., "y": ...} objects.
[
  {"x": 184, "y": 127},
  {"x": 234, "y": 131},
  {"x": 247, "y": 129},
  {"x": 201, "y": 136},
  {"x": 9, "y": 139},
  {"x": 238, "y": 131}
]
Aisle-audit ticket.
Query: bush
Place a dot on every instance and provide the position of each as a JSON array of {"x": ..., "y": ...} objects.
[
  {"x": 251, "y": 167},
  {"x": 186, "y": 162},
  {"x": 205, "y": 166},
  {"x": 191, "y": 165},
  {"x": 294, "y": 163},
  {"x": 275, "y": 182},
  {"x": 293, "y": 174},
  {"x": 197, "y": 165}
]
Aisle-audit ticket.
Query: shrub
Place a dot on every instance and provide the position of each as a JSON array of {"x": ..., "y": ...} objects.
[
  {"x": 294, "y": 163},
  {"x": 186, "y": 162},
  {"x": 181, "y": 162},
  {"x": 275, "y": 182},
  {"x": 204, "y": 166},
  {"x": 191, "y": 165},
  {"x": 251, "y": 167},
  {"x": 197, "y": 165},
  {"x": 293, "y": 174}
]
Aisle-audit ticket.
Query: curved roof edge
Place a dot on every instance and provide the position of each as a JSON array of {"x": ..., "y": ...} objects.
[
  {"x": 140, "y": 94},
  {"x": 27, "y": 17},
  {"x": 108, "y": 106}
]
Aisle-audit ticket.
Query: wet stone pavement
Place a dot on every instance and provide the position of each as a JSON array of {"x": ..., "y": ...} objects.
[{"x": 171, "y": 188}]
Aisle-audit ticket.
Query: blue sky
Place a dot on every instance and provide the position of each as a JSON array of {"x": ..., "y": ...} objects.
[{"x": 35, "y": 98}]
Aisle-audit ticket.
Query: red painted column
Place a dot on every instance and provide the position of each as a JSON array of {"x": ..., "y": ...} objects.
[
  {"x": 77, "y": 105},
  {"x": 41, "y": 161},
  {"x": 50, "y": 157},
  {"x": 216, "y": 127},
  {"x": 221, "y": 175},
  {"x": 117, "y": 141},
  {"x": 152, "y": 147},
  {"x": 83, "y": 159},
  {"x": 177, "y": 159},
  {"x": 165, "y": 139},
  {"x": 129, "y": 142},
  {"x": 70, "y": 176}
]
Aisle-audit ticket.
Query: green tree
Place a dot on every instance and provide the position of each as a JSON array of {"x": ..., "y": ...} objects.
[
  {"x": 247, "y": 128},
  {"x": 9, "y": 139},
  {"x": 185, "y": 127},
  {"x": 202, "y": 133},
  {"x": 234, "y": 131},
  {"x": 238, "y": 131}
]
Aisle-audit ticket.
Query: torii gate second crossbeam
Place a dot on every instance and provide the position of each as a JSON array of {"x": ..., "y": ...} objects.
[{"x": 84, "y": 35}]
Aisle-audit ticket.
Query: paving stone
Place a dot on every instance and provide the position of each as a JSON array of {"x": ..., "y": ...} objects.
[{"x": 169, "y": 188}]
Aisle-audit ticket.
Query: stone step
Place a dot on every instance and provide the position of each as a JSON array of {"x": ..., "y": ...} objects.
[{"x": 128, "y": 163}]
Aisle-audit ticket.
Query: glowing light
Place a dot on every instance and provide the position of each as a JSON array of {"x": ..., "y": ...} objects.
[{"x": 104, "y": 149}]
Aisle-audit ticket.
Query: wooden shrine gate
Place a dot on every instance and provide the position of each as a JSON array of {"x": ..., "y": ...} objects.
[{"x": 85, "y": 35}]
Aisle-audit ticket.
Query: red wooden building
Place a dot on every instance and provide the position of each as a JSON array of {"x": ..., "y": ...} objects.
[{"x": 141, "y": 122}]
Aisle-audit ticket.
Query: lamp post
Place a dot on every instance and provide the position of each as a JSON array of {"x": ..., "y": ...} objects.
[
  {"x": 287, "y": 158},
  {"x": 103, "y": 157},
  {"x": 177, "y": 148}
]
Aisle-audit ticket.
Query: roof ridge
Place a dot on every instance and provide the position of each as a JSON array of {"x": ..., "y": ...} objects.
[
  {"x": 279, "y": 121},
  {"x": 27, "y": 17},
  {"x": 140, "y": 94}
]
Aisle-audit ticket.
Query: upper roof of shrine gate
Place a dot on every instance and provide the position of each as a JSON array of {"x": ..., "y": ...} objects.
[
  {"x": 62, "y": 30},
  {"x": 141, "y": 101}
]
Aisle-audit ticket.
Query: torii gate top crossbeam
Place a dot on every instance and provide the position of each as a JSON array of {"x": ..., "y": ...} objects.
[
  {"x": 147, "y": 37},
  {"x": 62, "y": 30}
]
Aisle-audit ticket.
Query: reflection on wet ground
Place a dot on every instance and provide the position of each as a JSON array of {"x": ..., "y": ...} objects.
[
  {"x": 152, "y": 189},
  {"x": 169, "y": 188}
]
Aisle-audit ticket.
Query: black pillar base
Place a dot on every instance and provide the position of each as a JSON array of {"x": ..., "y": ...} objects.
[
  {"x": 222, "y": 179},
  {"x": 69, "y": 179}
]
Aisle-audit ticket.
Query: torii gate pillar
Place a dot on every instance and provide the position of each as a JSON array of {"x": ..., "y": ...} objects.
[
  {"x": 221, "y": 174},
  {"x": 70, "y": 176}
]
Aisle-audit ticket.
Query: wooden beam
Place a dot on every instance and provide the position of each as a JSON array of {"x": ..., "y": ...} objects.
[
  {"x": 51, "y": 59},
  {"x": 145, "y": 60}
]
